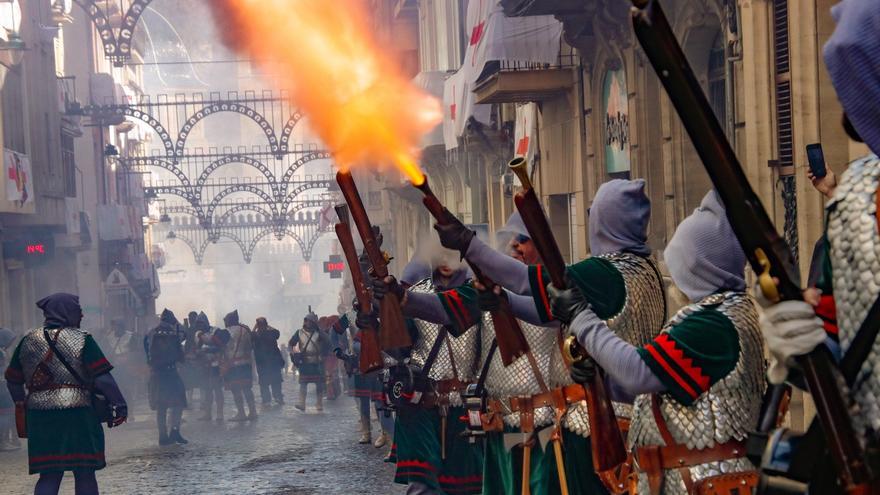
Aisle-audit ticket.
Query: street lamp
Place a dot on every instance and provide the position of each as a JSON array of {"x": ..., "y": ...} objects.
[{"x": 10, "y": 18}]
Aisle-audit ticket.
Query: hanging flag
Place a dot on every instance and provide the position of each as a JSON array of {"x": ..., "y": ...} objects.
[
  {"x": 325, "y": 217},
  {"x": 525, "y": 134}
]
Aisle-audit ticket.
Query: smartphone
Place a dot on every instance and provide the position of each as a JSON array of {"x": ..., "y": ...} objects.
[{"x": 817, "y": 160}]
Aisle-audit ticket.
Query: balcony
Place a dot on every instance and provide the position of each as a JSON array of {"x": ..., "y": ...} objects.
[
  {"x": 517, "y": 8},
  {"x": 512, "y": 81}
]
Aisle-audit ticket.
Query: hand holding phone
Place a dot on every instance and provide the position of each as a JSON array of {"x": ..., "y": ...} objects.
[{"x": 816, "y": 159}]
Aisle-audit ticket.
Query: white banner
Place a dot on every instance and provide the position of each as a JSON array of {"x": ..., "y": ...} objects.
[
  {"x": 525, "y": 132},
  {"x": 493, "y": 36},
  {"x": 19, "y": 179}
]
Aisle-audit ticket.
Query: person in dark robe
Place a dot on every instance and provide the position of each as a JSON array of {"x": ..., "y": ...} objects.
[
  {"x": 164, "y": 349},
  {"x": 269, "y": 362}
]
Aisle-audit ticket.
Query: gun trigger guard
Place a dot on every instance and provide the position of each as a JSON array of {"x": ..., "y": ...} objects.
[
  {"x": 571, "y": 351},
  {"x": 765, "y": 281}
]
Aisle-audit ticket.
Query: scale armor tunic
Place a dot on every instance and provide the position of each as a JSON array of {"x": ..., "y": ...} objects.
[
  {"x": 854, "y": 249},
  {"x": 70, "y": 343},
  {"x": 464, "y": 350},
  {"x": 518, "y": 379},
  {"x": 726, "y": 412},
  {"x": 644, "y": 310}
]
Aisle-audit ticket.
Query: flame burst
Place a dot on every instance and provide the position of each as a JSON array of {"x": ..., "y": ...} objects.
[{"x": 356, "y": 98}]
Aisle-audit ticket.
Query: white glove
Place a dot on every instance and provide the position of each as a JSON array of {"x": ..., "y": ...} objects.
[{"x": 791, "y": 329}]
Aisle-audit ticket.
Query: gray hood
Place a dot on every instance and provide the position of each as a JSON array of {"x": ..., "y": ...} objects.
[
  {"x": 619, "y": 218},
  {"x": 852, "y": 56},
  {"x": 514, "y": 226},
  {"x": 704, "y": 256}
]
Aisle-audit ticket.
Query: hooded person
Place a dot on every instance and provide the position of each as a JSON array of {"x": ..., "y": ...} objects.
[
  {"x": 308, "y": 347},
  {"x": 164, "y": 349},
  {"x": 852, "y": 242},
  {"x": 237, "y": 367},
  {"x": 269, "y": 362},
  {"x": 211, "y": 343},
  {"x": 63, "y": 430},
  {"x": 432, "y": 455},
  {"x": 697, "y": 382}
]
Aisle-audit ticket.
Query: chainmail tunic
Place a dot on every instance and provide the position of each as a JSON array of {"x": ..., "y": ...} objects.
[
  {"x": 855, "y": 259},
  {"x": 639, "y": 320},
  {"x": 726, "y": 412},
  {"x": 70, "y": 343},
  {"x": 464, "y": 349}
]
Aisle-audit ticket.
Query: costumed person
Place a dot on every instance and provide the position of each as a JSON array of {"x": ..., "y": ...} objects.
[
  {"x": 8, "y": 436},
  {"x": 190, "y": 370},
  {"x": 698, "y": 383},
  {"x": 332, "y": 385},
  {"x": 60, "y": 365},
  {"x": 433, "y": 455},
  {"x": 308, "y": 347},
  {"x": 269, "y": 362},
  {"x": 211, "y": 348},
  {"x": 849, "y": 280},
  {"x": 164, "y": 348},
  {"x": 237, "y": 367},
  {"x": 362, "y": 388},
  {"x": 622, "y": 282}
]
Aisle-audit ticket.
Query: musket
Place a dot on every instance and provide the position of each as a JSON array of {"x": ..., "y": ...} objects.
[
  {"x": 767, "y": 252},
  {"x": 606, "y": 439},
  {"x": 394, "y": 333},
  {"x": 512, "y": 342},
  {"x": 370, "y": 355}
]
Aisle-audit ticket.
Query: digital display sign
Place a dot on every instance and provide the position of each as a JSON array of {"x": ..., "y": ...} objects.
[
  {"x": 32, "y": 251},
  {"x": 334, "y": 266}
]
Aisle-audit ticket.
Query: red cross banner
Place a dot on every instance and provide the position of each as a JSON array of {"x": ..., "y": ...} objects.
[{"x": 525, "y": 133}]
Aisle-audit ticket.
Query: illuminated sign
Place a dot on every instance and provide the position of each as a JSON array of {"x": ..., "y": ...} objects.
[
  {"x": 32, "y": 251},
  {"x": 334, "y": 266}
]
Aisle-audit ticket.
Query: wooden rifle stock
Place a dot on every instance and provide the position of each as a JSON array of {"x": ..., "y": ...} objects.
[
  {"x": 767, "y": 252},
  {"x": 606, "y": 439},
  {"x": 370, "y": 355},
  {"x": 512, "y": 342},
  {"x": 394, "y": 333}
]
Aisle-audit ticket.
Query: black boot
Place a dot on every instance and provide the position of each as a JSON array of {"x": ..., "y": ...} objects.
[
  {"x": 175, "y": 436},
  {"x": 164, "y": 439}
]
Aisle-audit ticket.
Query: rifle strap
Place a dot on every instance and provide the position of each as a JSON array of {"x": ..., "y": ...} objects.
[
  {"x": 484, "y": 372},
  {"x": 435, "y": 350}
]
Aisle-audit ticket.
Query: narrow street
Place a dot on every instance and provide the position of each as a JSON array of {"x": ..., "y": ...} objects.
[{"x": 286, "y": 452}]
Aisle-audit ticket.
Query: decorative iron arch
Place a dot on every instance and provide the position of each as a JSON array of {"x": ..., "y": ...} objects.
[
  {"x": 238, "y": 209},
  {"x": 302, "y": 187},
  {"x": 226, "y": 106},
  {"x": 116, "y": 48},
  {"x": 158, "y": 162},
  {"x": 209, "y": 213},
  {"x": 306, "y": 246},
  {"x": 294, "y": 118},
  {"x": 302, "y": 205},
  {"x": 134, "y": 112},
  {"x": 243, "y": 159},
  {"x": 309, "y": 157},
  {"x": 179, "y": 191}
]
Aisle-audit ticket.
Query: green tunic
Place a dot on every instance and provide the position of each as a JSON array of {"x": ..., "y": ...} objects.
[{"x": 417, "y": 433}]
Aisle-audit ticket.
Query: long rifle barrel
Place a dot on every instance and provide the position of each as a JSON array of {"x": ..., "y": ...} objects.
[
  {"x": 766, "y": 251},
  {"x": 394, "y": 333},
  {"x": 370, "y": 355},
  {"x": 607, "y": 445}
]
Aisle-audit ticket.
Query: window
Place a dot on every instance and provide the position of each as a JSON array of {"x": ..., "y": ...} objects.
[
  {"x": 14, "y": 120},
  {"x": 68, "y": 165},
  {"x": 717, "y": 83}
]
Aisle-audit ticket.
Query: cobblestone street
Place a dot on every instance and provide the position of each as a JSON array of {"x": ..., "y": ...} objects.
[{"x": 286, "y": 452}]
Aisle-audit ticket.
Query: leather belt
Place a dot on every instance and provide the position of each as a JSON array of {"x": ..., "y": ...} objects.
[
  {"x": 439, "y": 394},
  {"x": 680, "y": 456},
  {"x": 570, "y": 394}
]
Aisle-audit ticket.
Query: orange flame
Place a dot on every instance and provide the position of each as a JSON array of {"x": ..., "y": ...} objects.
[{"x": 356, "y": 99}]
